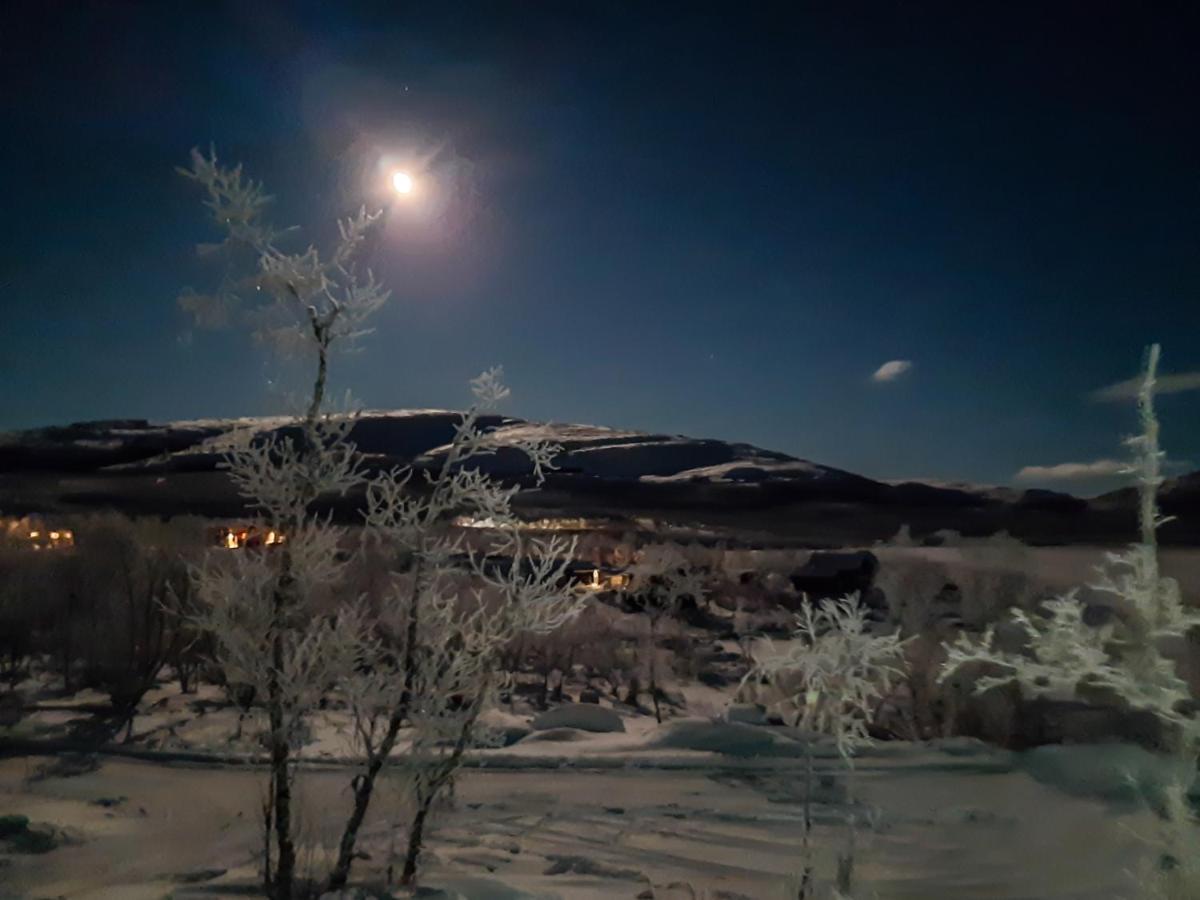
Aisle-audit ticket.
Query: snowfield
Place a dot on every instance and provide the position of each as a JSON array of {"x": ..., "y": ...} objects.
[{"x": 948, "y": 823}]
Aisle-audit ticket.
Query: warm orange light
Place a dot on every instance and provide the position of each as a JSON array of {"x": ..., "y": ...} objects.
[{"x": 29, "y": 529}]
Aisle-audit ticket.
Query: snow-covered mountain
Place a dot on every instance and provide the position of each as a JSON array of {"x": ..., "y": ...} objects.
[
  {"x": 420, "y": 437},
  {"x": 171, "y": 468}
]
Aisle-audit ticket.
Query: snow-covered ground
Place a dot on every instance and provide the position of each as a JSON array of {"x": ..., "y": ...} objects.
[
  {"x": 642, "y": 811},
  {"x": 948, "y": 826},
  {"x": 693, "y": 808}
]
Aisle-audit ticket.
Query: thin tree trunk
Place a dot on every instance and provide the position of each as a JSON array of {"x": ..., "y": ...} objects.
[
  {"x": 284, "y": 877},
  {"x": 416, "y": 836},
  {"x": 653, "y": 650},
  {"x": 806, "y": 875},
  {"x": 279, "y": 739},
  {"x": 569, "y": 671},
  {"x": 268, "y": 805},
  {"x": 280, "y": 781},
  {"x": 556, "y": 696},
  {"x": 845, "y": 873},
  {"x": 363, "y": 789},
  {"x": 366, "y": 782},
  {"x": 68, "y": 643},
  {"x": 416, "y": 833},
  {"x": 321, "y": 328}
]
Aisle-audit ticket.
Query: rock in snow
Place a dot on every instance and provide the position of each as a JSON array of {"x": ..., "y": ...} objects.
[{"x": 584, "y": 716}]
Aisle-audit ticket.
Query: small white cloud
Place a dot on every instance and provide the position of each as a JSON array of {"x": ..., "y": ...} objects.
[
  {"x": 1073, "y": 471},
  {"x": 1163, "y": 384},
  {"x": 892, "y": 370}
]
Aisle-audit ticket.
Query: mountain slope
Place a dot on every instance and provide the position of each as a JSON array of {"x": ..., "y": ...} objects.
[{"x": 172, "y": 468}]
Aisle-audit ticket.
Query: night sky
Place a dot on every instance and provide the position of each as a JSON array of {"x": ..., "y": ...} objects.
[{"x": 709, "y": 220}]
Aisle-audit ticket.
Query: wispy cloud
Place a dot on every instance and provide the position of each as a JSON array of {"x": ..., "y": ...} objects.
[
  {"x": 892, "y": 370},
  {"x": 1073, "y": 471},
  {"x": 1164, "y": 384}
]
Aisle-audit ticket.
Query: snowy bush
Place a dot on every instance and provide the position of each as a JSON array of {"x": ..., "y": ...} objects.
[
  {"x": 829, "y": 682},
  {"x": 833, "y": 674}
]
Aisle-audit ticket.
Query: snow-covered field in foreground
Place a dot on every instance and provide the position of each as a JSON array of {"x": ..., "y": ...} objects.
[{"x": 949, "y": 826}]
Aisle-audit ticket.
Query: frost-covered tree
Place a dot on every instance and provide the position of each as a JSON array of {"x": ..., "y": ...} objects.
[
  {"x": 661, "y": 579},
  {"x": 259, "y": 606},
  {"x": 1065, "y": 657},
  {"x": 829, "y": 681},
  {"x": 434, "y": 655},
  {"x": 421, "y": 655}
]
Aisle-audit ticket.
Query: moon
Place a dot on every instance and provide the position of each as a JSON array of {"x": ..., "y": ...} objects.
[{"x": 402, "y": 182}]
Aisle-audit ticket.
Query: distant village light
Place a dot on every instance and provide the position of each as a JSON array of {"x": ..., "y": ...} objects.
[
  {"x": 247, "y": 536},
  {"x": 545, "y": 524},
  {"x": 598, "y": 580},
  {"x": 31, "y": 531}
]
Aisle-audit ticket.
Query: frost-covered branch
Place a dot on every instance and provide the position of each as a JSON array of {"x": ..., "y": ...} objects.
[
  {"x": 831, "y": 677},
  {"x": 1125, "y": 658},
  {"x": 419, "y": 656},
  {"x": 449, "y": 612},
  {"x": 295, "y": 300},
  {"x": 830, "y": 680},
  {"x": 1064, "y": 653}
]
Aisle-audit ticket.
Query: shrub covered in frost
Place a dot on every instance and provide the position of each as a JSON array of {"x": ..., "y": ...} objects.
[
  {"x": 1123, "y": 660},
  {"x": 830, "y": 682}
]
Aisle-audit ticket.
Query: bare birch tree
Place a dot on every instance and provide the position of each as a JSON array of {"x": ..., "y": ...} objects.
[
  {"x": 259, "y": 606},
  {"x": 447, "y": 617},
  {"x": 422, "y": 655}
]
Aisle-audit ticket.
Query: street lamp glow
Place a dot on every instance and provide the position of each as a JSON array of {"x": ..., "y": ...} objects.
[{"x": 402, "y": 182}]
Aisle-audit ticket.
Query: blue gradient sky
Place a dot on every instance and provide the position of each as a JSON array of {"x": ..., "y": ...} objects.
[{"x": 711, "y": 220}]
